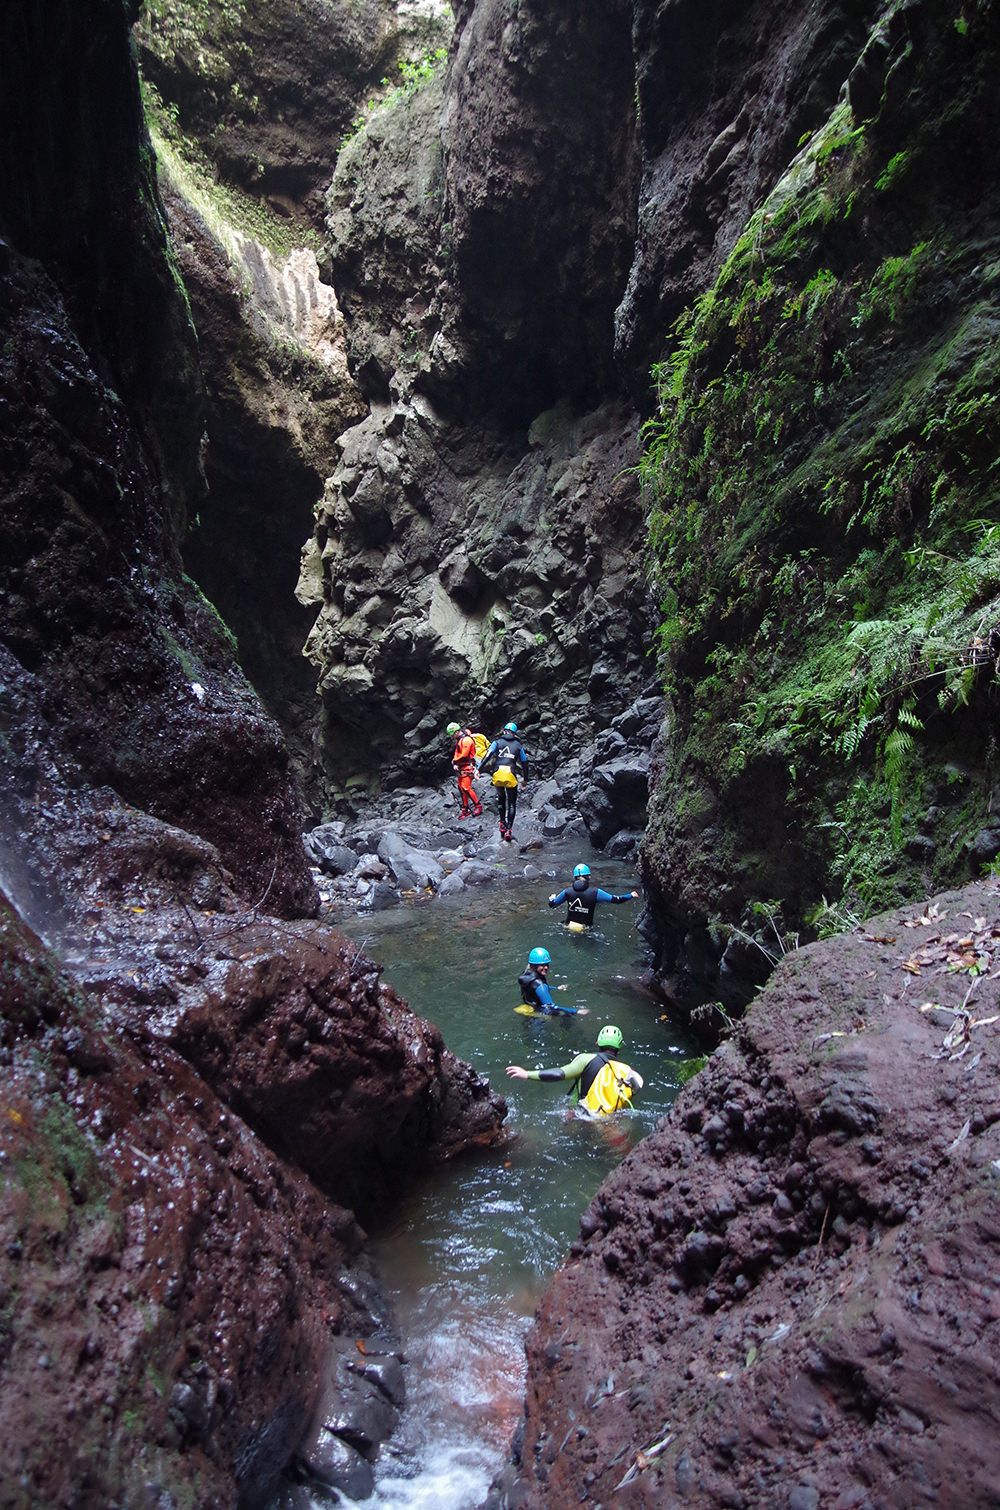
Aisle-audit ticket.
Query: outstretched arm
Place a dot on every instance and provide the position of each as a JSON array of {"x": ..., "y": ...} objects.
[
  {"x": 558, "y": 897},
  {"x": 517, "y": 1073},
  {"x": 571, "y": 1071},
  {"x": 610, "y": 896}
]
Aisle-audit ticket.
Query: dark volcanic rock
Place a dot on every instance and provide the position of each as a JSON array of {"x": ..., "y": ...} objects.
[
  {"x": 716, "y": 136},
  {"x": 541, "y": 181},
  {"x": 789, "y": 1279},
  {"x": 271, "y": 349},
  {"x": 475, "y": 549},
  {"x": 192, "y": 1200},
  {"x": 100, "y": 411}
]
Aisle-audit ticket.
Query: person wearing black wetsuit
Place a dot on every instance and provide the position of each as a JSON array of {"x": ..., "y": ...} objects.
[
  {"x": 535, "y": 992},
  {"x": 511, "y": 758},
  {"x": 581, "y": 898}
]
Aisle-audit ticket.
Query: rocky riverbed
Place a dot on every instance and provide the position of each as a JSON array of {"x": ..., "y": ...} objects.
[{"x": 413, "y": 842}]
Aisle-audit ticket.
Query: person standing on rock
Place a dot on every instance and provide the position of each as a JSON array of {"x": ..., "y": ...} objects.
[
  {"x": 508, "y": 751},
  {"x": 599, "y": 1083},
  {"x": 535, "y": 992},
  {"x": 463, "y": 761},
  {"x": 582, "y": 897}
]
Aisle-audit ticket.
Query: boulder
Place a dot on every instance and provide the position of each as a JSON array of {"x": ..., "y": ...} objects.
[
  {"x": 392, "y": 846},
  {"x": 608, "y": 744},
  {"x": 427, "y": 868},
  {"x": 336, "y": 860},
  {"x": 598, "y": 815},
  {"x": 386, "y": 1371},
  {"x": 624, "y": 845},
  {"x": 403, "y": 874},
  {"x": 984, "y": 847},
  {"x": 332, "y": 1462},
  {"x": 643, "y": 717},
  {"x": 383, "y": 895}
]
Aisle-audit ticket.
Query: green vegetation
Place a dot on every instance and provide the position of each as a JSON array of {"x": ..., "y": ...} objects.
[
  {"x": 688, "y": 1068},
  {"x": 206, "y": 32},
  {"x": 412, "y": 76},
  {"x": 213, "y": 613},
  {"x": 224, "y": 208},
  {"x": 824, "y": 492}
]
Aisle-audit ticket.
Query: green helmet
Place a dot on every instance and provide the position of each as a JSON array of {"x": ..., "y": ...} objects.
[
  {"x": 453, "y": 729},
  {"x": 609, "y": 1038}
]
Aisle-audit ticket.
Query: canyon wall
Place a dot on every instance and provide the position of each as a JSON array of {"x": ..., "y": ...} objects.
[
  {"x": 199, "y": 1080},
  {"x": 824, "y": 518}
]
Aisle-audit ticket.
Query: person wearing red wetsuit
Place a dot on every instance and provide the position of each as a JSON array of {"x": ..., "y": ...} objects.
[{"x": 463, "y": 760}]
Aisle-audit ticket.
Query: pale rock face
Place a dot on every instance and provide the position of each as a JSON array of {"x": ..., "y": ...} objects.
[{"x": 292, "y": 297}]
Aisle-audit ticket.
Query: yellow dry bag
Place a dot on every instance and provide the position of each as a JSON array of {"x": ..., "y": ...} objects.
[{"x": 609, "y": 1091}]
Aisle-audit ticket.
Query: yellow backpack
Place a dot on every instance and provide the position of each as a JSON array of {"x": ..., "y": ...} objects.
[
  {"x": 482, "y": 745},
  {"x": 609, "y": 1090}
]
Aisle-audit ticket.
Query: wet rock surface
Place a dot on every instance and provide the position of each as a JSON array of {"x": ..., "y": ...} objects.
[
  {"x": 783, "y": 1296},
  {"x": 101, "y": 629},
  {"x": 133, "y": 1206},
  {"x": 475, "y": 549},
  {"x": 167, "y": 1090}
]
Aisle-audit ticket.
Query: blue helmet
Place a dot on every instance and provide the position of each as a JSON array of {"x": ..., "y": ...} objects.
[
  {"x": 539, "y": 957},
  {"x": 509, "y": 728},
  {"x": 581, "y": 870}
]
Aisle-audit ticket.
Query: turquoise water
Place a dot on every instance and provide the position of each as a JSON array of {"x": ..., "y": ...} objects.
[{"x": 469, "y": 1253}]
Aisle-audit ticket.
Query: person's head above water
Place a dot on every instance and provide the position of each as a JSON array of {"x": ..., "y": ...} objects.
[
  {"x": 609, "y": 1037},
  {"x": 540, "y": 958},
  {"x": 580, "y": 870}
]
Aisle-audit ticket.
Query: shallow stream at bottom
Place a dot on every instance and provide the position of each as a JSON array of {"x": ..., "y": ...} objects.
[{"x": 470, "y": 1250}]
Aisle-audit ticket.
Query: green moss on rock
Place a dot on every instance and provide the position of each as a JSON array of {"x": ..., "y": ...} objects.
[{"x": 826, "y": 498}]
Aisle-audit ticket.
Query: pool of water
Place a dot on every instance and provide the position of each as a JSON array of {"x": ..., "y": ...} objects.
[{"x": 467, "y": 1256}]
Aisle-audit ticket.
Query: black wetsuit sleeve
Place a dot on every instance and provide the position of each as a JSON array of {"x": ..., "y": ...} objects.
[{"x": 552, "y": 1074}]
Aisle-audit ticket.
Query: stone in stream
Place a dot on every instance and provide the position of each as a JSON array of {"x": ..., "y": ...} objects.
[
  {"x": 333, "y": 859},
  {"x": 331, "y": 1461}
]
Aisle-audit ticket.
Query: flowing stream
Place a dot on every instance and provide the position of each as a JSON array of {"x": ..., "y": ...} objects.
[{"x": 470, "y": 1252}]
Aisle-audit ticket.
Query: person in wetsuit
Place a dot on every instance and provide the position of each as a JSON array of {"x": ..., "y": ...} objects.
[
  {"x": 463, "y": 761},
  {"x": 511, "y": 758},
  {"x": 600, "y": 1083},
  {"x": 534, "y": 983},
  {"x": 581, "y": 898}
]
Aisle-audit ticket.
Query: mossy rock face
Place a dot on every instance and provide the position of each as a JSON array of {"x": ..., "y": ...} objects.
[
  {"x": 268, "y": 88},
  {"x": 825, "y": 511}
]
